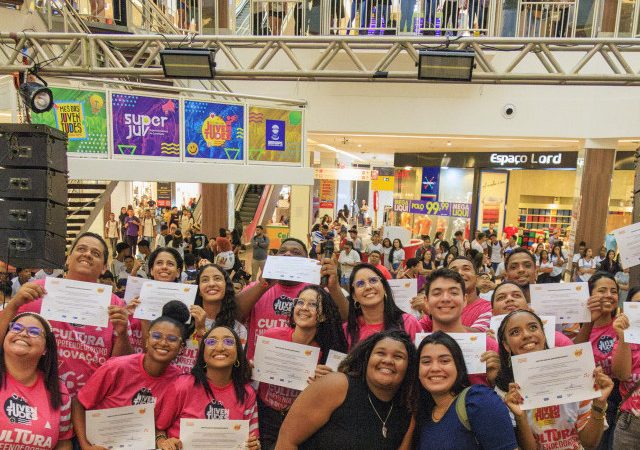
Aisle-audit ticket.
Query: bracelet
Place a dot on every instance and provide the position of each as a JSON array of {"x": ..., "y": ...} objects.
[
  {"x": 161, "y": 436},
  {"x": 598, "y": 409}
]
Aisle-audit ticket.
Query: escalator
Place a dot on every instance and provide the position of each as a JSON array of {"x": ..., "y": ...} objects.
[{"x": 250, "y": 202}]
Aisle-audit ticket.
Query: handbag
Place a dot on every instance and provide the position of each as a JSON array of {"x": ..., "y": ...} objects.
[{"x": 627, "y": 397}]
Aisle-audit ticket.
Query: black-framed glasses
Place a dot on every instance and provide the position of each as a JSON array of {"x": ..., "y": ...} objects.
[
  {"x": 372, "y": 281},
  {"x": 226, "y": 342},
  {"x": 301, "y": 303},
  {"x": 170, "y": 338},
  {"x": 17, "y": 328}
]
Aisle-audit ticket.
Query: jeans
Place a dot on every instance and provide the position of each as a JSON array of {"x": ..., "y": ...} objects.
[
  {"x": 509, "y": 17},
  {"x": 406, "y": 15},
  {"x": 627, "y": 434},
  {"x": 365, "y": 12},
  {"x": 133, "y": 242}
]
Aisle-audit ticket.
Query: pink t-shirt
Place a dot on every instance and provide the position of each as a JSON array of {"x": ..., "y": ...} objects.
[
  {"x": 562, "y": 340},
  {"x": 122, "y": 381},
  {"x": 632, "y": 404},
  {"x": 27, "y": 421},
  {"x": 476, "y": 315},
  {"x": 602, "y": 340},
  {"x": 271, "y": 310},
  {"x": 278, "y": 397},
  {"x": 411, "y": 327},
  {"x": 481, "y": 378},
  {"x": 193, "y": 402},
  {"x": 81, "y": 348},
  {"x": 135, "y": 337}
]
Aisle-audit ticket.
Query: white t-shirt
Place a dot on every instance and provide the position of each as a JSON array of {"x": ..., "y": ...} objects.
[
  {"x": 112, "y": 228},
  {"x": 15, "y": 285},
  {"x": 148, "y": 224},
  {"x": 352, "y": 257},
  {"x": 371, "y": 247},
  {"x": 477, "y": 246},
  {"x": 584, "y": 264},
  {"x": 41, "y": 274},
  {"x": 496, "y": 256}
]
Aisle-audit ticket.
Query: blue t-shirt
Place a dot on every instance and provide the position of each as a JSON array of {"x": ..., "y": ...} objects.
[{"x": 489, "y": 419}]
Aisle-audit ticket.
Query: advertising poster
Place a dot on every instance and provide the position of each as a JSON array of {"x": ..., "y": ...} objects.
[
  {"x": 432, "y": 208},
  {"x": 275, "y": 135},
  {"x": 213, "y": 130},
  {"x": 327, "y": 194},
  {"x": 145, "y": 126},
  {"x": 164, "y": 194},
  {"x": 80, "y": 114},
  {"x": 430, "y": 178}
]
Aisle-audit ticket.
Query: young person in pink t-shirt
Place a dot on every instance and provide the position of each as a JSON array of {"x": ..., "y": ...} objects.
[
  {"x": 268, "y": 303},
  {"x": 81, "y": 348},
  {"x": 315, "y": 320},
  {"x": 36, "y": 406},
  {"x": 444, "y": 291},
  {"x": 138, "y": 379},
  {"x": 218, "y": 388},
  {"x": 372, "y": 308}
]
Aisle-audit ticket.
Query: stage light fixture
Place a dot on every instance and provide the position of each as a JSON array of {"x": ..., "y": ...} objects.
[
  {"x": 446, "y": 65},
  {"x": 38, "y": 97},
  {"x": 188, "y": 63}
]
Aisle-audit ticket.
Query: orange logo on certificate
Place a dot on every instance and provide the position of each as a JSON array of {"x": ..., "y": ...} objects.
[
  {"x": 578, "y": 353},
  {"x": 473, "y": 338},
  {"x": 307, "y": 352},
  {"x": 236, "y": 427},
  {"x": 100, "y": 290},
  {"x": 522, "y": 360},
  {"x": 142, "y": 410},
  {"x": 578, "y": 288},
  {"x": 187, "y": 289}
]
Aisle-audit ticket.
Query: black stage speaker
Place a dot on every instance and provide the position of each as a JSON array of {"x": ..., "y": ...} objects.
[{"x": 33, "y": 195}]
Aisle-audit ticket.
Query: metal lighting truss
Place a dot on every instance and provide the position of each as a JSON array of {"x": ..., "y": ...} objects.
[{"x": 599, "y": 61}]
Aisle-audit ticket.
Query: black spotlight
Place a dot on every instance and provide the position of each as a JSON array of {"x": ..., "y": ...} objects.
[{"x": 38, "y": 97}]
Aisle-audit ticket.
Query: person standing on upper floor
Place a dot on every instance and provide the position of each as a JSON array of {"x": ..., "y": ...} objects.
[
  {"x": 260, "y": 246},
  {"x": 348, "y": 259},
  {"x": 132, "y": 226}
]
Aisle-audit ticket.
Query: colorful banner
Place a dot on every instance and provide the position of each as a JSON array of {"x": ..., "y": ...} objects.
[
  {"x": 80, "y": 114},
  {"x": 382, "y": 179},
  {"x": 327, "y": 194},
  {"x": 432, "y": 208},
  {"x": 213, "y": 130},
  {"x": 145, "y": 126},
  {"x": 430, "y": 183},
  {"x": 275, "y": 135},
  {"x": 164, "y": 191}
]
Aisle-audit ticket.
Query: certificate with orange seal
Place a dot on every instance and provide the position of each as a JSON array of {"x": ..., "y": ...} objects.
[
  {"x": 155, "y": 294},
  {"x": 473, "y": 345},
  {"x": 128, "y": 427},
  {"x": 76, "y": 302},
  {"x": 209, "y": 434},
  {"x": 283, "y": 363}
]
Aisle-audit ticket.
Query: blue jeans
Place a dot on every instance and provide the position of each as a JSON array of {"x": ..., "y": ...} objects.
[
  {"x": 364, "y": 13},
  {"x": 509, "y": 17},
  {"x": 406, "y": 14}
]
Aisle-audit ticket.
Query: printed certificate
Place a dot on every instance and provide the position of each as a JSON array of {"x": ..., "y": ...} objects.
[
  {"x": 292, "y": 268},
  {"x": 628, "y": 240},
  {"x": 283, "y": 363},
  {"x": 566, "y": 301},
  {"x": 208, "y": 434},
  {"x": 134, "y": 286},
  {"x": 129, "y": 427},
  {"x": 334, "y": 359},
  {"x": 404, "y": 289},
  {"x": 632, "y": 334},
  {"x": 76, "y": 302},
  {"x": 473, "y": 345},
  {"x": 155, "y": 294},
  {"x": 556, "y": 376},
  {"x": 549, "y": 323}
]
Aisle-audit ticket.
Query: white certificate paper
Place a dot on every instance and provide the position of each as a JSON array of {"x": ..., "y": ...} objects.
[
  {"x": 76, "y": 302},
  {"x": 473, "y": 345},
  {"x": 292, "y": 268},
  {"x": 334, "y": 359},
  {"x": 549, "y": 323},
  {"x": 283, "y": 363},
  {"x": 632, "y": 334},
  {"x": 155, "y": 294},
  {"x": 134, "y": 286},
  {"x": 628, "y": 239},
  {"x": 404, "y": 289},
  {"x": 129, "y": 427},
  {"x": 566, "y": 301},
  {"x": 556, "y": 376},
  {"x": 214, "y": 434}
]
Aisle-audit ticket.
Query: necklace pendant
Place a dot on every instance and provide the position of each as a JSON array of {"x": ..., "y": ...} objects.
[{"x": 384, "y": 431}]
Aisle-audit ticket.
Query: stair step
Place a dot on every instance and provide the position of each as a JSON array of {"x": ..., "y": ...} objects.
[
  {"x": 81, "y": 204},
  {"x": 90, "y": 187}
]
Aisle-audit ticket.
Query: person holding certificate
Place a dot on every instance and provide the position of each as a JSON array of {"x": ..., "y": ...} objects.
[
  {"x": 218, "y": 389},
  {"x": 315, "y": 320},
  {"x": 567, "y": 426},
  {"x": 445, "y": 392},
  {"x": 36, "y": 405},
  {"x": 81, "y": 348},
  {"x": 267, "y": 304},
  {"x": 507, "y": 297},
  {"x": 368, "y": 404},
  {"x": 140, "y": 378},
  {"x": 626, "y": 367},
  {"x": 372, "y": 308}
]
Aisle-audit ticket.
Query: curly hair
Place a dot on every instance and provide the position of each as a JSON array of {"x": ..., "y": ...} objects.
[{"x": 228, "y": 310}]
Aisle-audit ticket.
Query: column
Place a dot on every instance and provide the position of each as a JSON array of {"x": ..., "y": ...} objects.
[
  {"x": 595, "y": 187},
  {"x": 214, "y": 208},
  {"x": 300, "y": 204}
]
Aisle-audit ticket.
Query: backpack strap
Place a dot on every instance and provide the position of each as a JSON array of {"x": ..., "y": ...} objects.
[{"x": 461, "y": 408}]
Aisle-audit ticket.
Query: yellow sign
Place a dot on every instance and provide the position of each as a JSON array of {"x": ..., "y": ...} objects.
[
  {"x": 70, "y": 119},
  {"x": 276, "y": 234},
  {"x": 382, "y": 183}
]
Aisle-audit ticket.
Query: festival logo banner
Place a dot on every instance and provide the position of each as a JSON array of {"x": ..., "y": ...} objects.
[
  {"x": 214, "y": 130},
  {"x": 275, "y": 135},
  {"x": 80, "y": 114},
  {"x": 145, "y": 126},
  {"x": 430, "y": 183}
]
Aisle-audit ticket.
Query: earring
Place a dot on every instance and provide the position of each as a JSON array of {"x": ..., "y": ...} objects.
[
  {"x": 204, "y": 365},
  {"x": 237, "y": 363},
  {"x": 356, "y": 305}
]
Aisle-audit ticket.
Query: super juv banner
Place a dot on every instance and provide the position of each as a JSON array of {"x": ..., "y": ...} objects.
[
  {"x": 213, "y": 130},
  {"x": 145, "y": 126}
]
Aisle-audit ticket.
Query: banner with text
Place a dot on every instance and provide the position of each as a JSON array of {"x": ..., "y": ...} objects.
[
  {"x": 145, "y": 126},
  {"x": 275, "y": 135},
  {"x": 430, "y": 183},
  {"x": 432, "y": 208},
  {"x": 327, "y": 194},
  {"x": 80, "y": 114},
  {"x": 213, "y": 130}
]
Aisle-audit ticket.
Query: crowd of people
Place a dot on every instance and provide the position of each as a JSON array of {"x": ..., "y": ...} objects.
[{"x": 195, "y": 362}]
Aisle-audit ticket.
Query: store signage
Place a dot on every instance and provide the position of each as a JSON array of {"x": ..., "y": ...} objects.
[
  {"x": 164, "y": 195},
  {"x": 327, "y": 194},
  {"x": 342, "y": 174},
  {"x": 432, "y": 208},
  {"x": 521, "y": 159}
]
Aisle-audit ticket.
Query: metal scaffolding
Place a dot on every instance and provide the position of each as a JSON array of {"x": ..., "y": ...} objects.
[{"x": 599, "y": 61}]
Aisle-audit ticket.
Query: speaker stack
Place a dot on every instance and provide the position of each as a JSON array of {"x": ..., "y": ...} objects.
[{"x": 33, "y": 195}]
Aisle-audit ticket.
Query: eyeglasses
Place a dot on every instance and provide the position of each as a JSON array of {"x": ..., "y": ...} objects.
[
  {"x": 170, "y": 338},
  {"x": 226, "y": 342},
  {"x": 301, "y": 303},
  {"x": 373, "y": 281},
  {"x": 17, "y": 328}
]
